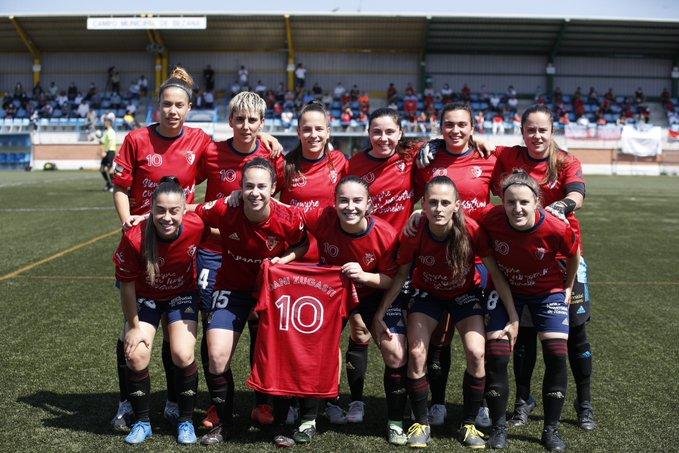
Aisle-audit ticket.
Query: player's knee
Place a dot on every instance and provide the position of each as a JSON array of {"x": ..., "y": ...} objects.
[
  {"x": 138, "y": 360},
  {"x": 475, "y": 358},
  {"x": 394, "y": 357},
  {"x": 360, "y": 335},
  {"x": 182, "y": 357},
  {"x": 417, "y": 359},
  {"x": 219, "y": 361}
]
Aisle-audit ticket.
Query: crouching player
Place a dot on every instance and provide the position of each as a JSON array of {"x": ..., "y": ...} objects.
[
  {"x": 525, "y": 242},
  {"x": 155, "y": 267}
]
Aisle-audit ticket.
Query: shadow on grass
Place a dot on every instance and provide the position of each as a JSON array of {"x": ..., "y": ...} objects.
[{"x": 92, "y": 413}]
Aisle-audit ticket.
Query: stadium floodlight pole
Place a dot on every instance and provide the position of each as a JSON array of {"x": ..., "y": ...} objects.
[
  {"x": 291, "y": 53},
  {"x": 164, "y": 54},
  {"x": 32, "y": 48}
]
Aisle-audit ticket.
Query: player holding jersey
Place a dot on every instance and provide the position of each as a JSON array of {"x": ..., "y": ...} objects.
[
  {"x": 261, "y": 228},
  {"x": 365, "y": 248},
  {"x": 155, "y": 268},
  {"x": 308, "y": 175},
  {"x": 442, "y": 256},
  {"x": 222, "y": 168},
  {"x": 563, "y": 191},
  {"x": 527, "y": 244},
  {"x": 459, "y": 158}
]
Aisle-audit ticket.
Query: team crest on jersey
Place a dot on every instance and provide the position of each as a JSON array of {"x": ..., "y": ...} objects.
[
  {"x": 299, "y": 181},
  {"x": 428, "y": 260},
  {"x": 368, "y": 258},
  {"x": 369, "y": 177},
  {"x": 120, "y": 257},
  {"x": 330, "y": 249},
  {"x": 440, "y": 172},
  {"x": 190, "y": 157},
  {"x": 540, "y": 253},
  {"x": 161, "y": 261},
  {"x": 191, "y": 250},
  {"x": 501, "y": 247},
  {"x": 401, "y": 166},
  {"x": 227, "y": 175},
  {"x": 476, "y": 171},
  {"x": 119, "y": 170},
  {"x": 334, "y": 176},
  {"x": 271, "y": 242},
  {"x": 209, "y": 204}
]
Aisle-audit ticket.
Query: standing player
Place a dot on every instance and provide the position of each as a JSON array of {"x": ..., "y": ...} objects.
[
  {"x": 527, "y": 243},
  {"x": 365, "y": 247},
  {"x": 462, "y": 161},
  {"x": 155, "y": 268},
  {"x": 261, "y": 228},
  {"x": 146, "y": 155},
  {"x": 224, "y": 162},
  {"x": 309, "y": 173},
  {"x": 108, "y": 152},
  {"x": 563, "y": 191},
  {"x": 442, "y": 255}
]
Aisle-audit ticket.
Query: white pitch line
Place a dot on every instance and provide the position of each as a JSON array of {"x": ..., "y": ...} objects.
[
  {"x": 91, "y": 208},
  {"x": 80, "y": 177}
]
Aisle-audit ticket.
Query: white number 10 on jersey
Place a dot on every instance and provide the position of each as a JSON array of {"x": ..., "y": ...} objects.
[{"x": 292, "y": 314}]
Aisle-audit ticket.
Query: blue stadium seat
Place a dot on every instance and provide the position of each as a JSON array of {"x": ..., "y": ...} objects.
[{"x": 3, "y": 159}]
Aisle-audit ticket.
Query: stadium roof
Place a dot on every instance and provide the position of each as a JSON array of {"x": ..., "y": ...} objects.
[{"x": 579, "y": 27}]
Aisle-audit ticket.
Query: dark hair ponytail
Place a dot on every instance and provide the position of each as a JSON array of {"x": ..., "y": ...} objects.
[
  {"x": 458, "y": 245},
  {"x": 168, "y": 185}
]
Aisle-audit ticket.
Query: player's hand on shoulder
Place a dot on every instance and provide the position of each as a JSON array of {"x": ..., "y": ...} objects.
[
  {"x": 410, "y": 230},
  {"x": 134, "y": 220},
  {"x": 428, "y": 152},
  {"x": 558, "y": 210},
  {"x": 272, "y": 143},
  {"x": 233, "y": 200},
  {"x": 484, "y": 147}
]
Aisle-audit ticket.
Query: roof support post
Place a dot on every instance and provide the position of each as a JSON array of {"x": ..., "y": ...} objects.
[
  {"x": 32, "y": 48},
  {"x": 291, "y": 53}
]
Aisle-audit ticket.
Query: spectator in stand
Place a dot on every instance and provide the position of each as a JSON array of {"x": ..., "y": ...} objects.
[
  {"x": 209, "y": 78},
  {"x": 72, "y": 92},
  {"x": 61, "y": 99},
  {"x": 235, "y": 88},
  {"x": 37, "y": 90},
  {"x": 391, "y": 93},
  {"x": 480, "y": 120},
  {"x": 583, "y": 121},
  {"x": 300, "y": 76},
  {"x": 577, "y": 94},
  {"x": 260, "y": 88},
  {"x": 277, "y": 109},
  {"x": 209, "y": 99},
  {"x": 558, "y": 94},
  {"x": 446, "y": 94},
  {"x": 116, "y": 100},
  {"x": 339, "y": 91},
  {"x": 347, "y": 116},
  {"x": 243, "y": 76},
  {"x": 317, "y": 91},
  {"x": 494, "y": 101},
  {"x": 466, "y": 93},
  {"x": 511, "y": 91},
  {"x": 421, "y": 122},
  {"x": 53, "y": 90},
  {"x": 410, "y": 91},
  {"x": 592, "y": 96},
  {"x": 134, "y": 90},
  {"x": 327, "y": 100},
  {"x": 364, "y": 102},
  {"x": 83, "y": 109},
  {"x": 307, "y": 97},
  {"x": 91, "y": 92},
  {"x": 498, "y": 126},
  {"x": 600, "y": 118},
  {"x": 115, "y": 80},
  {"x": 564, "y": 119},
  {"x": 286, "y": 119},
  {"x": 640, "y": 96},
  {"x": 666, "y": 99},
  {"x": 143, "y": 85},
  {"x": 484, "y": 96},
  {"x": 353, "y": 93},
  {"x": 289, "y": 100},
  {"x": 410, "y": 107},
  {"x": 129, "y": 121},
  {"x": 609, "y": 95},
  {"x": 512, "y": 103},
  {"x": 280, "y": 92}
]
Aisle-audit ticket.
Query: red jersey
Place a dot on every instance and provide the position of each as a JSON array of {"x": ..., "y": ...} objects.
[
  {"x": 392, "y": 185},
  {"x": 470, "y": 172},
  {"x": 432, "y": 272},
  {"x": 301, "y": 310},
  {"x": 222, "y": 168},
  {"x": 176, "y": 260},
  {"x": 569, "y": 177},
  {"x": 246, "y": 244},
  {"x": 374, "y": 249},
  {"x": 314, "y": 188},
  {"x": 146, "y": 156},
  {"x": 529, "y": 258}
]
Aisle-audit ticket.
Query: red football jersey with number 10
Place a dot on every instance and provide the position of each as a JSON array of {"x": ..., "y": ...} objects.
[
  {"x": 146, "y": 156},
  {"x": 301, "y": 310}
]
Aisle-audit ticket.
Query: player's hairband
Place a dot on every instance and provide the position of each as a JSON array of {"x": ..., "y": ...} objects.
[
  {"x": 517, "y": 183},
  {"x": 184, "y": 88}
]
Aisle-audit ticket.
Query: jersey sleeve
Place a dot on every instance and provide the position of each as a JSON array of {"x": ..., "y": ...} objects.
[
  {"x": 407, "y": 247},
  {"x": 312, "y": 218},
  {"x": 498, "y": 171},
  {"x": 571, "y": 175},
  {"x": 262, "y": 293},
  {"x": 123, "y": 164},
  {"x": 569, "y": 242},
  {"x": 480, "y": 241},
  {"x": 351, "y": 300},
  {"x": 387, "y": 264},
  {"x": 297, "y": 228},
  {"x": 211, "y": 212},
  {"x": 127, "y": 261}
]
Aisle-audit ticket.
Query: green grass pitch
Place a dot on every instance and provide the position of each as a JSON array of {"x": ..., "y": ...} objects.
[{"x": 61, "y": 318}]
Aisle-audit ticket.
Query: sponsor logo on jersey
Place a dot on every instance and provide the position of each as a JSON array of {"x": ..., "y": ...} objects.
[
  {"x": 191, "y": 250},
  {"x": 209, "y": 204},
  {"x": 330, "y": 249},
  {"x": 476, "y": 171},
  {"x": 227, "y": 175},
  {"x": 234, "y": 236},
  {"x": 401, "y": 166},
  {"x": 428, "y": 260},
  {"x": 298, "y": 181},
  {"x": 439, "y": 172},
  {"x": 334, "y": 176},
  {"x": 369, "y": 177},
  {"x": 540, "y": 253},
  {"x": 190, "y": 157},
  {"x": 368, "y": 258},
  {"x": 271, "y": 242},
  {"x": 501, "y": 247}
]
